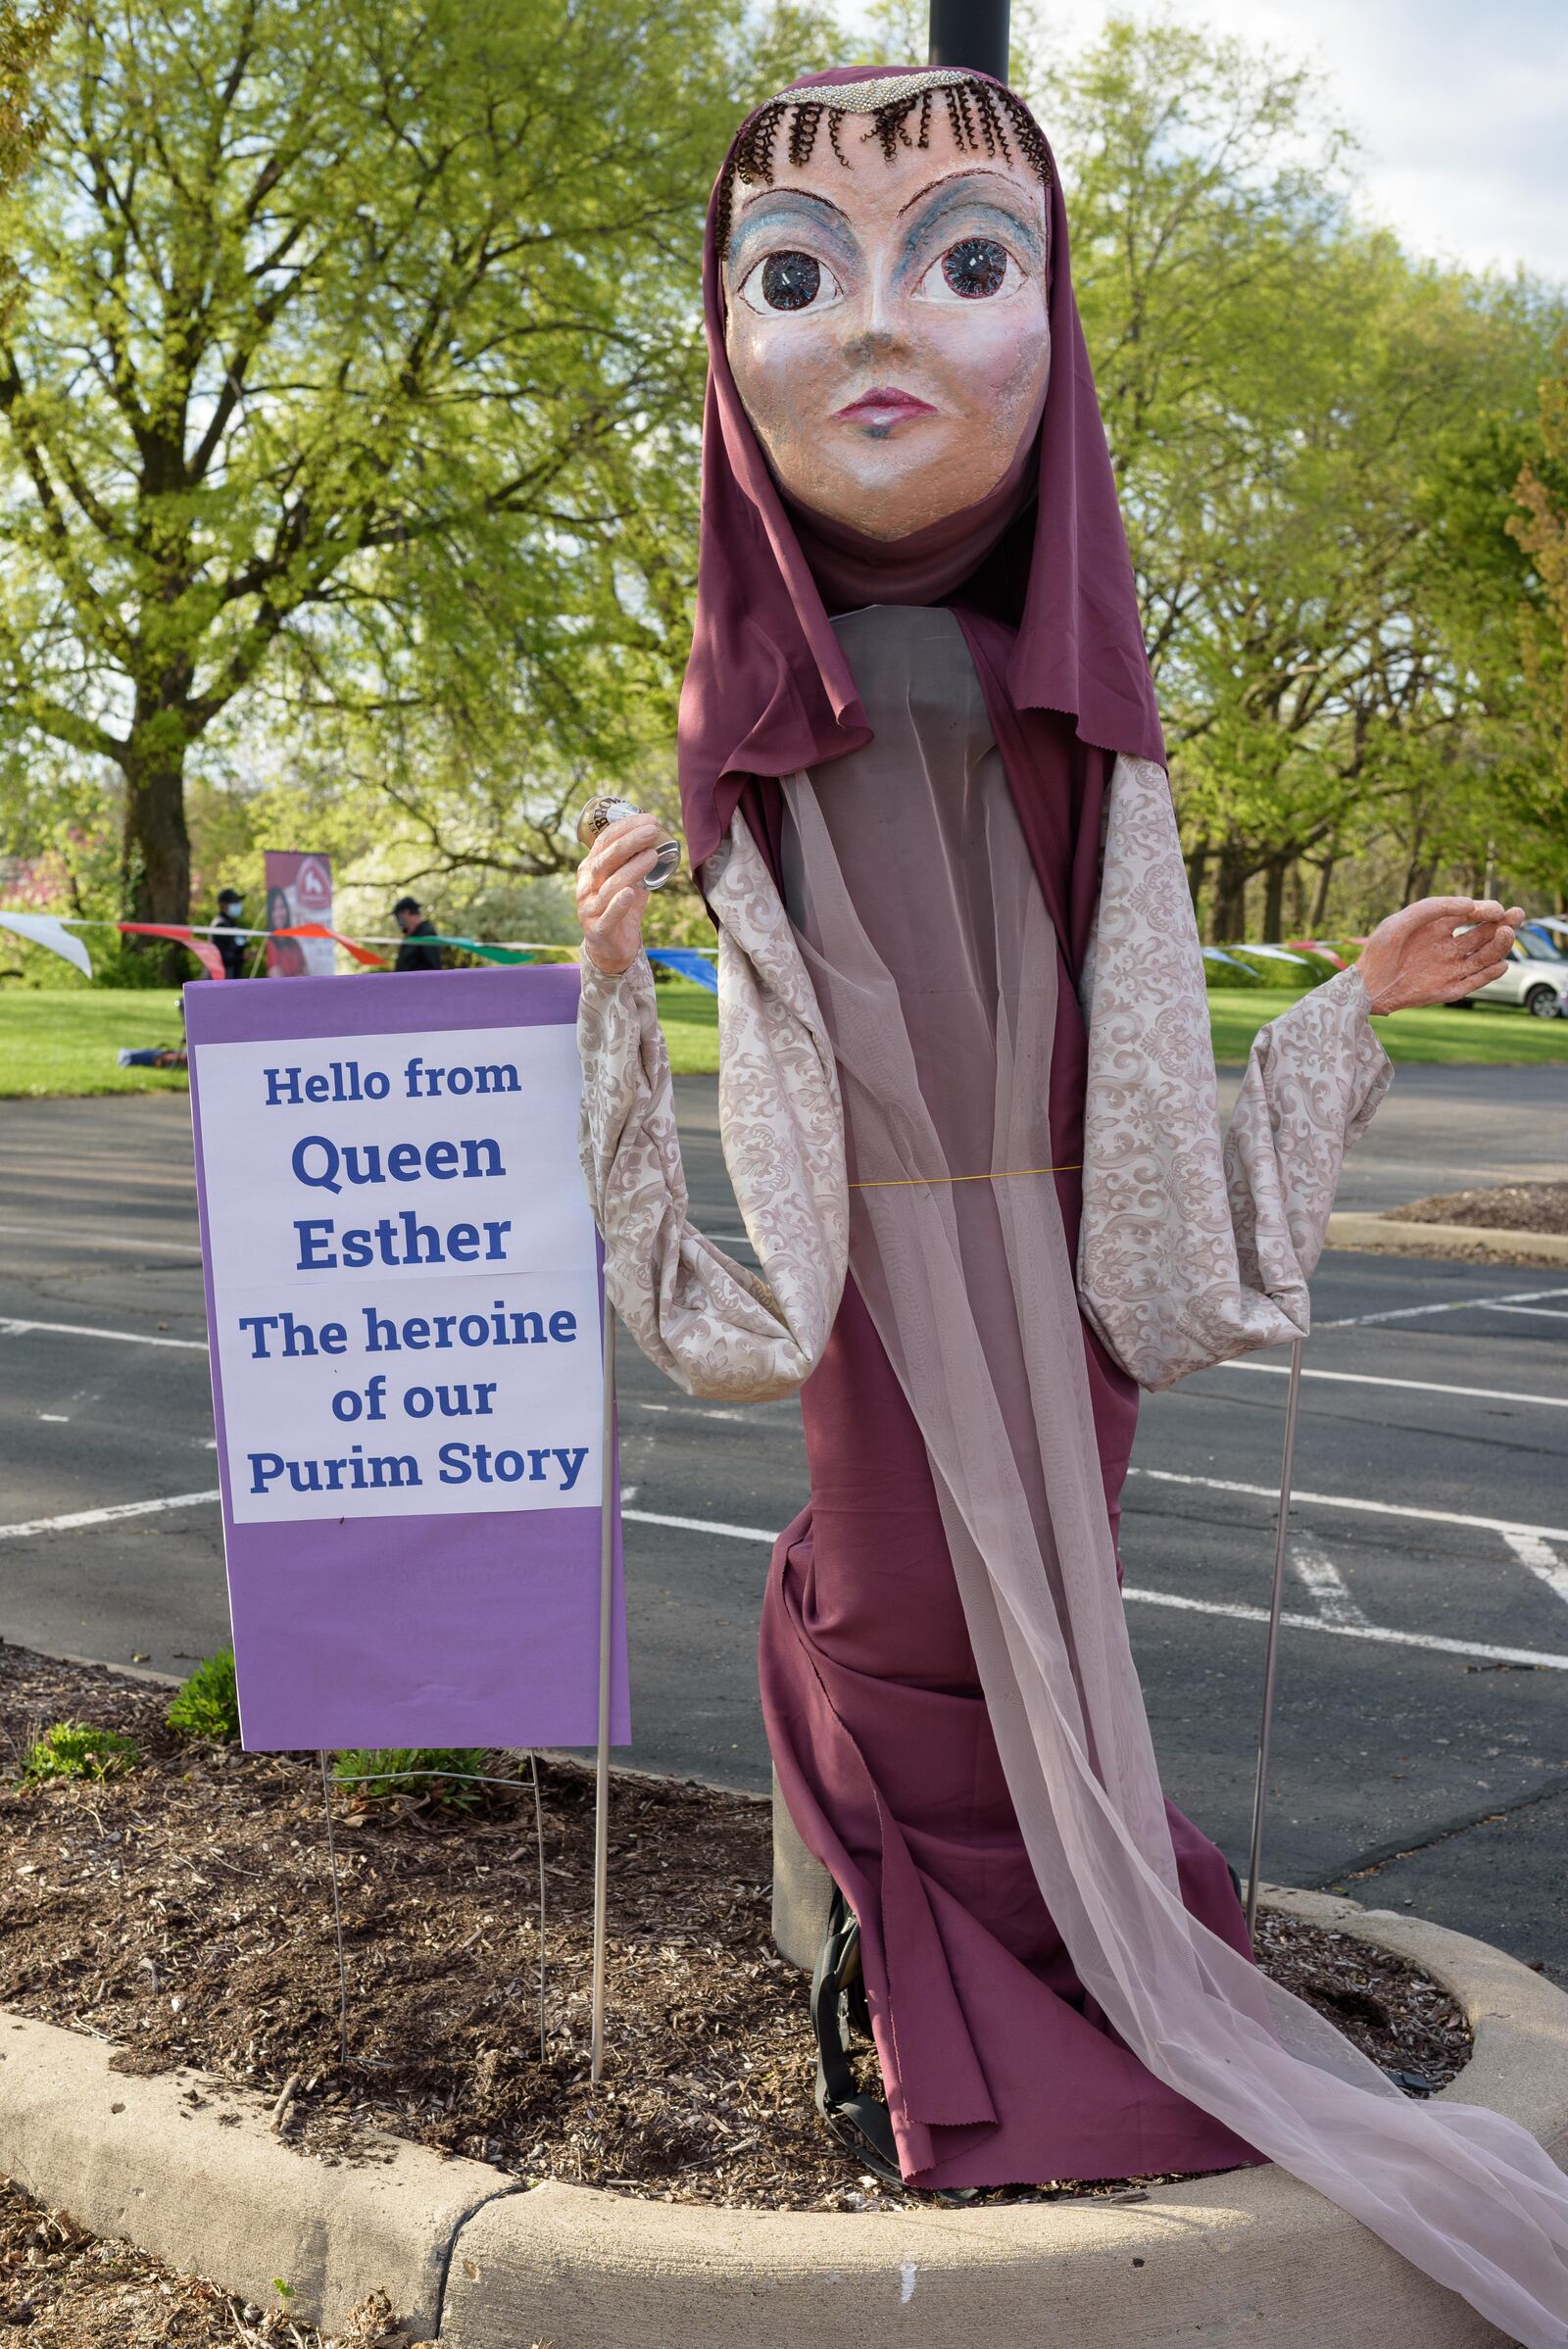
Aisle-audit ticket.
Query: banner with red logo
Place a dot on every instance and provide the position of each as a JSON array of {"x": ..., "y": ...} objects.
[{"x": 299, "y": 889}]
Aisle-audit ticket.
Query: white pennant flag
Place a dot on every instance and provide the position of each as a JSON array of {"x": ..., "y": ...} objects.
[{"x": 45, "y": 929}]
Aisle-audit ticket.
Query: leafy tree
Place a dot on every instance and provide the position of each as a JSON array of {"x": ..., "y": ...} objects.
[
  {"x": 348, "y": 436},
  {"x": 1541, "y": 532},
  {"x": 1288, "y": 397},
  {"x": 356, "y": 367},
  {"x": 24, "y": 38}
]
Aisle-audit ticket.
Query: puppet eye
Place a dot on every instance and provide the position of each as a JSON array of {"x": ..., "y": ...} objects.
[
  {"x": 971, "y": 271},
  {"x": 790, "y": 282}
]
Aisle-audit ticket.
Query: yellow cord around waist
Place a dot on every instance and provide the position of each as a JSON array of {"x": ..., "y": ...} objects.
[{"x": 1008, "y": 1174}]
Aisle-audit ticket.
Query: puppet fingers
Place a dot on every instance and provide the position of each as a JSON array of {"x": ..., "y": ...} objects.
[
  {"x": 628, "y": 837},
  {"x": 1473, "y": 979}
]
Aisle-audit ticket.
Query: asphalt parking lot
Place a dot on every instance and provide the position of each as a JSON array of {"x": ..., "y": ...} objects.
[{"x": 1420, "y": 1755}]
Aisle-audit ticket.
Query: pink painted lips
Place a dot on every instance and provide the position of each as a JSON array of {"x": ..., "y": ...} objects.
[{"x": 884, "y": 405}]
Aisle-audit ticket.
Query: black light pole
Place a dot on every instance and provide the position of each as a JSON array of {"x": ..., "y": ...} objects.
[{"x": 970, "y": 33}]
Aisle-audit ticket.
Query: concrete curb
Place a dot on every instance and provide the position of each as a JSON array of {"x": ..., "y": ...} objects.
[
  {"x": 187, "y": 2168},
  {"x": 1487, "y": 1244},
  {"x": 190, "y": 2170}
]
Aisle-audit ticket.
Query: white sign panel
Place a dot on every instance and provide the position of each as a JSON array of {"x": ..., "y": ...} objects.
[{"x": 404, "y": 1274}]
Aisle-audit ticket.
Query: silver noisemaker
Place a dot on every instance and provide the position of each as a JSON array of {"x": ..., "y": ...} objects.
[{"x": 608, "y": 809}]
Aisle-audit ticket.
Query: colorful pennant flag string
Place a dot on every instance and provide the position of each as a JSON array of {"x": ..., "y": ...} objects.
[{"x": 57, "y": 933}]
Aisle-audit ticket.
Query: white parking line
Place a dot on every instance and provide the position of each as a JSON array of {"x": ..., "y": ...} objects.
[
  {"x": 110, "y": 1516},
  {"x": 70, "y": 1241},
  {"x": 780, "y": 1416},
  {"x": 11, "y": 1327},
  {"x": 1344, "y": 1501},
  {"x": 1479, "y": 1649},
  {"x": 703, "y": 1525},
  {"x": 1528, "y": 1312},
  {"x": 1457, "y": 1305},
  {"x": 1364, "y": 1378},
  {"x": 702, "y": 1412},
  {"x": 1541, "y": 1560},
  {"x": 1330, "y": 1591},
  {"x": 1357, "y": 1631}
]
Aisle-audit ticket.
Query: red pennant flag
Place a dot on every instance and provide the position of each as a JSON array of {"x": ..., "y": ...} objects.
[
  {"x": 206, "y": 954},
  {"x": 316, "y": 929},
  {"x": 1313, "y": 945}
]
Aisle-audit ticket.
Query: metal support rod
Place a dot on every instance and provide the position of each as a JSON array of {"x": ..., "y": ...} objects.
[
  {"x": 337, "y": 1917},
  {"x": 972, "y": 33},
  {"x": 539, "y": 1847},
  {"x": 1292, "y": 1396},
  {"x": 607, "y": 1575}
]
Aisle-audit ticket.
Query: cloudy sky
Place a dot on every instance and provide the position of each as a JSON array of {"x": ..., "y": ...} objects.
[{"x": 1461, "y": 107}]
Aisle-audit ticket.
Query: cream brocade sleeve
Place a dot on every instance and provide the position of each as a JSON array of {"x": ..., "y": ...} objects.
[
  {"x": 1192, "y": 1253},
  {"x": 718, "y": 1329}
]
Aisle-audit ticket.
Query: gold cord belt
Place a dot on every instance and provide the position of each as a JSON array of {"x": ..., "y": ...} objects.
[{"x": 1008, "y": 1174}]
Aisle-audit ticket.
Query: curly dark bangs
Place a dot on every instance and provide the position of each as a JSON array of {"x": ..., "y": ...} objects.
[{"x": 984, "y": 118}]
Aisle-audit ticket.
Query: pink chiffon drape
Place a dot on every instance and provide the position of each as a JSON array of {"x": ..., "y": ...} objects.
[{"x": 936, "y": 969}]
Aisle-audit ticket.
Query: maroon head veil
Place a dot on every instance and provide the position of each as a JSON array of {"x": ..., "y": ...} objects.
[{"x": 767, "y": 689}]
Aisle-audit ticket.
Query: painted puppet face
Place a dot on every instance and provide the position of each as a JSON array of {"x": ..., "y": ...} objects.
[{"x": 887, "y": 326}]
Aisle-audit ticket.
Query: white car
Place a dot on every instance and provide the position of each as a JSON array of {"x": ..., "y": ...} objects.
[{"x": 1536, "y": 978}]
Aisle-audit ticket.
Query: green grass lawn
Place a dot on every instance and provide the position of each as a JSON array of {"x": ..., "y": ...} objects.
[
  {"x": 689, "y": 1016},
  {"x": 1485, "y": 1036},
  {"x": 64, "y": 1039}
]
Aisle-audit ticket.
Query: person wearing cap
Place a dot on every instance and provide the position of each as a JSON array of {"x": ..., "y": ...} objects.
[
  {"x": 418, "y": 951},
  {"x": 227, "y": 936}
]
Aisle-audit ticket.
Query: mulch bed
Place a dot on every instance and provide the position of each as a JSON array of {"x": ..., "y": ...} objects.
[
  {"x": 182, "y": 1909},
  {"x": 1508, "y": 1207}
]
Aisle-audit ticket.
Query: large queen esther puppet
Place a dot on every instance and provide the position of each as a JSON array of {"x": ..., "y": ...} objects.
[{"x": 969, "y": 1113}]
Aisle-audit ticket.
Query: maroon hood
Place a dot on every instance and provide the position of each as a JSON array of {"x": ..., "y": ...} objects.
[{"x": 767, "y": 690}]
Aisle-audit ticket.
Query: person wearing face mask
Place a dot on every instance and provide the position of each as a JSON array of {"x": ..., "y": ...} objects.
[
  {"x": 969, "y": 1110},
  {"x": 227, "y": 933}
]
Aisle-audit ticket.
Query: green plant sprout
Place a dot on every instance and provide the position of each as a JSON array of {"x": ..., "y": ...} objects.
[
  {"x": 71, "y": 1749},
  {"x": 207, "y": 1705},
  {"x": 435, "y": 1771}
]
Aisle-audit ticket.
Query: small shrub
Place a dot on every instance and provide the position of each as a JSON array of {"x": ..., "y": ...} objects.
[
  {"x": 372, "y": 1774},
  {"x": 71, "y": 1749},
  {"x": 137, "y": 963},
  {"x": 207, "y": 1704}
]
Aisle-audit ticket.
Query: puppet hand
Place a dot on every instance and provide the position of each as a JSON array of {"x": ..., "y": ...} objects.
[
  {"x": 611, "y": 897},
  {"x": 1416, "y": 957}
]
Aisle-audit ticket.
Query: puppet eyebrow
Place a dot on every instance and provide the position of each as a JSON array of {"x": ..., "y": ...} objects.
[
  {"x": 825, "y": 216},
  {"x": 956, "y": 192},
  {"x": 799, "y": 195},
  {"x": 955, "y": 179}
]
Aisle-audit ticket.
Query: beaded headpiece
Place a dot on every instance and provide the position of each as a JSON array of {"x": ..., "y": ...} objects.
[{"x": 982, "y": 116}]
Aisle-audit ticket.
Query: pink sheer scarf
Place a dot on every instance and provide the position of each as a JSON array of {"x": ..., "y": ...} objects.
[{"x": 935, "y": 965}]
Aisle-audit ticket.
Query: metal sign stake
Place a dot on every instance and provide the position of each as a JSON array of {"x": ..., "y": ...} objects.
[
  {"x": 337, "y": 1919},
  {"x": 606, "y": 1573},
  {"x": 1293, "y": 1396}
]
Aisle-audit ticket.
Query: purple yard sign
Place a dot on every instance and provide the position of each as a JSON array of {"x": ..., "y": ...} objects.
[{"x": 403, "y": 1298}]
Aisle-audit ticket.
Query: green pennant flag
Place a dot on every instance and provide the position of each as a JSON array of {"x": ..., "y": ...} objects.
[{"x": 487, "y": 954}]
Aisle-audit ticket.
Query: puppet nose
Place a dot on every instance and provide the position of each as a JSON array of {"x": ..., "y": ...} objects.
[
  {"x": 877, "y": 326},
  {"x": 874, "y": 338}
]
